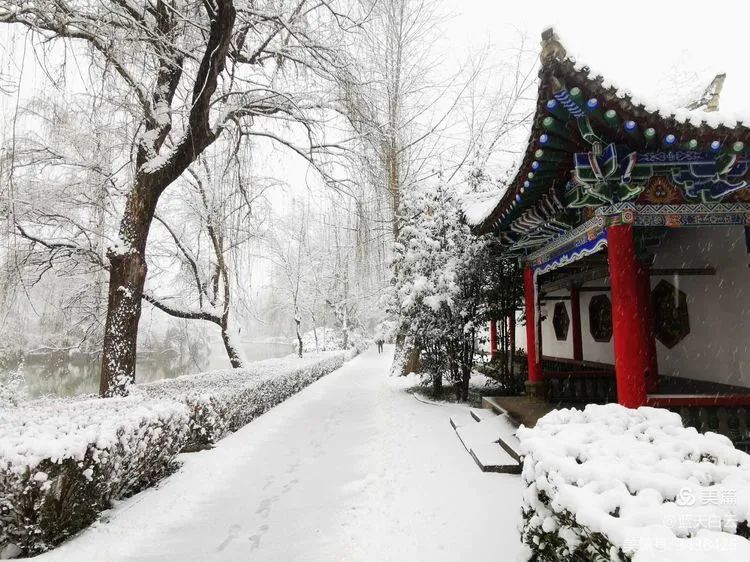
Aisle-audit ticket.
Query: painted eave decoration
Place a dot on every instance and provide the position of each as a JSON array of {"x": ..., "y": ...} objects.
[{"x": 593, "y": 145}]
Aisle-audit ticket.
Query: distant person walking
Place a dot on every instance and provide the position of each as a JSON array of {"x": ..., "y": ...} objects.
[{"x": 379, "y": 342}]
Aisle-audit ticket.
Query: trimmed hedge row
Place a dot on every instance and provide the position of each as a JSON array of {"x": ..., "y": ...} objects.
[
  {"x": 612, "y": 483},
  {"x": 63, "y": 461},
  {"x": 221, "y": 402}
]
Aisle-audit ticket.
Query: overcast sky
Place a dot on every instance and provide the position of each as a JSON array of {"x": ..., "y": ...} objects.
[
  {"x": 646, "y": 48},
  {"x": 640, "y": 45}
]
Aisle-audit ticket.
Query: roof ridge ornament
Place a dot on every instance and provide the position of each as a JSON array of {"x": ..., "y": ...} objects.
[
  {"x": 709, "y": 101},
  {"x": 552, "y": 48}
]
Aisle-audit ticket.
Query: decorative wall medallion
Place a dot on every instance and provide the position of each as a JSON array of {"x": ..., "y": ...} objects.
[
  {"x": 671, "y": 318},
  {"x": 740, "y": 196},
  {"x": 660, "y": 191},
  {"x": 561, "y": 321},
  {"x": 600, "y": 318}
]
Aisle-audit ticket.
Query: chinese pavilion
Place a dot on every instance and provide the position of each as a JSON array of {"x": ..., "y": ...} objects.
[{"x": 633, "y": 227}]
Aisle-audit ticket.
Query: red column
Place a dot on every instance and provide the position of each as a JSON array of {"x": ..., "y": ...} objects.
[
  {"x": 575, "y": 312},
  {"x": 532, "y": 349},
  {"x": 628, "y": 326},
  {"x": 644, "y": 286},
  {"x": 493, "y": 339}
]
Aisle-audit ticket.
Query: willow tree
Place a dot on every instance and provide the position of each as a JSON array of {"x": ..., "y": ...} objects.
[{"x": 184, "y": 73}]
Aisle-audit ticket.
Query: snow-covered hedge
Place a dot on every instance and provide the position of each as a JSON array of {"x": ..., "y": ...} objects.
[
  {"x": 223, "y": 401},
  {"x": 611, "y": 483},
  {"x": 62, "y": 461}
]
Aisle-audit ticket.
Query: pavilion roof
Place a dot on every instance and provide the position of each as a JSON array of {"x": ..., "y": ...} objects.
[{"x": 569, "y": 89}]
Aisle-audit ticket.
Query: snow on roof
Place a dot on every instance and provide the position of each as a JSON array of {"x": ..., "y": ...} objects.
[
  {"x": 667, "y": 105},
  {"x": 477, "y": 207},
  {"x": 658, "y": 104}
]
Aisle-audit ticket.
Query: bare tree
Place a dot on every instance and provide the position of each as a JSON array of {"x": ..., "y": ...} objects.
[
  {"x": 184, "y": 73},
  {"x": 223, "y": 210},
  {"x": 64, "y": 228},
  {"x": 390, "y": 98},
  {"x": 287, "y": 245}
]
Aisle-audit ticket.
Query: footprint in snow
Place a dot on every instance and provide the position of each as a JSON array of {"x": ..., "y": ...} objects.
[
  {"x": 233, "y": 532},
  {"x": 264, "y": 509},
  {"x": 289, "y": 485},
  {"x": 255, "y": 539}
]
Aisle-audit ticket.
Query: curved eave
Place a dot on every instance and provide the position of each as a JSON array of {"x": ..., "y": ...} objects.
[
  {"x": 561, "y": 74},
  {"x": 516, "y": 186}
]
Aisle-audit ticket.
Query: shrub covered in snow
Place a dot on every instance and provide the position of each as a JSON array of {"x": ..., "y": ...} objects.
[
  {"x": 12, "y": 387},
  {"x": 611, "y": 483},
  {"x": 223, "y": 401},
  {"x": 62, "y": 461}
]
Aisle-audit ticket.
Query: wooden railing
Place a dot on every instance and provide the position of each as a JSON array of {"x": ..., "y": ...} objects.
[
  {"x": 725, "y": 414},
  {"x": 585, "y": 387}
]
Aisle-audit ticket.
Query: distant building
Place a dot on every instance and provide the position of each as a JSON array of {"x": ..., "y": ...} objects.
[{"x": 633, "y": 226}]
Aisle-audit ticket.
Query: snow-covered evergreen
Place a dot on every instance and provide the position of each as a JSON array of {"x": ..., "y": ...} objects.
[{"x": 438, "y": 278}]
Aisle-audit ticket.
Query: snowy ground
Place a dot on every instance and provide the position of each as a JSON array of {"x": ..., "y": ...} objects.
[{"x": 351, "y": 468}]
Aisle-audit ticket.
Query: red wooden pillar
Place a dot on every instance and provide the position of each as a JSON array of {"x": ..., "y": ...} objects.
[
  {"x": 628, "y": 325},
  {"x": 644, "y": 286},
  {"x": 493, "y": 339},
  {"x": 532, "y": 348},
  {"x": 575, "y": 312}
]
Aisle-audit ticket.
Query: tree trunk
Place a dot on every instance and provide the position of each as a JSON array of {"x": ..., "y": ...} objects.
[
  {"x": 467, "y": 364},
  {"x": 412, "y": 364},
  {"x": 127, "y": 275},
  {"x": 466, "y": 376},
  {"x": 394, "y": 188},
  {"x": 315, "y": 332},
  {"x": 222, "y": 271},
  {"x": 345, "y": 326},
  {"x": 299, "y": 338},
  {"x": 437, "y": 385},
  {"x": 232, "y": 353}
]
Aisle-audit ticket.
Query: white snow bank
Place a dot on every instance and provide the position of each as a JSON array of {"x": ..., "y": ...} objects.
[
  {"x": 632, "y": 485},
  {"x": 62, "y": 461}
]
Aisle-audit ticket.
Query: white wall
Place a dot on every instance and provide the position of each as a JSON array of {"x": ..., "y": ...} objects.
[
  {"x": 520, "y": 332},
  {"x": 600, "y": 352},
  {"x": 550, "y": 344},
  {"x": 718, "y": 346}
]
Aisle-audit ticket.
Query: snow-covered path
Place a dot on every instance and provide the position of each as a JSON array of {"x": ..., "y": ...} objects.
[{"x": 351, "y": 468}]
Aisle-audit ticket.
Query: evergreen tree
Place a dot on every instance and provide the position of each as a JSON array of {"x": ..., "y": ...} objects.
[{"x": 438, "y": 285}]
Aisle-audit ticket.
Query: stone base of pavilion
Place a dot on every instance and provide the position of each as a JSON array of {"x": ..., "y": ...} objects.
[{"x": 523, "y": 410}]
